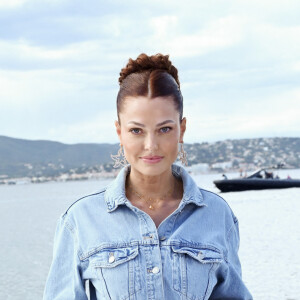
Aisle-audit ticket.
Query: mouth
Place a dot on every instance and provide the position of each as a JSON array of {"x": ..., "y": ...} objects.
[{"x": 152, "y": 159}]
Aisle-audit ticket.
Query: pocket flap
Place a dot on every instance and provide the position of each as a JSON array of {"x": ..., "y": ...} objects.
[
  {"x": 111, "y": 257},
  {"x": 202, "y": 254}
]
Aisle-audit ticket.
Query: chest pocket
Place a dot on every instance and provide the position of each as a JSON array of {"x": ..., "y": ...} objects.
[
  {"x": 119, "y": 271},
  {"x": 193, "y": 270}
]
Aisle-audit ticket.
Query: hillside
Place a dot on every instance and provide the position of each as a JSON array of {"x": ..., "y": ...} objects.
[
  {"x": 26, "y": 158},
  {"x": 20, "y": 157},
  {"x": 261, "y": 152}
]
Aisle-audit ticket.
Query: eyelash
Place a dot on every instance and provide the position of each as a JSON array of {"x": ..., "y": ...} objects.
[
  {"x": 133, "y": 129},
  {"x": 169, "y": 129}
]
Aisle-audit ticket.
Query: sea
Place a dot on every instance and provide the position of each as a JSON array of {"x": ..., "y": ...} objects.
[{"x": 269, "y": 223}]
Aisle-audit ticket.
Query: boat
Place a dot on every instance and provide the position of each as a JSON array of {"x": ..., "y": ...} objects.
[{"x": 259, "y": 180}]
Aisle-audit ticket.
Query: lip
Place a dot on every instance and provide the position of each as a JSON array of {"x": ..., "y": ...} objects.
[{"x": 152, "y": 159}]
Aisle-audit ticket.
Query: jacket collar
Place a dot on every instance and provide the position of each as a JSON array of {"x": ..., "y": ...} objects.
[{"x": 115, "y": 193}]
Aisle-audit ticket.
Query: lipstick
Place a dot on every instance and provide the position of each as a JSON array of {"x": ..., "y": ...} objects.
[{"x": 152, "y": 159}]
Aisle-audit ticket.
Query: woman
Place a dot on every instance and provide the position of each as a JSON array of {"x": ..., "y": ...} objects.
[{"x": 151, "y": 234}]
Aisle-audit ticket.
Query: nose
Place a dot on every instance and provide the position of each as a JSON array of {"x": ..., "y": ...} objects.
[{"x": 151, "y": 143}]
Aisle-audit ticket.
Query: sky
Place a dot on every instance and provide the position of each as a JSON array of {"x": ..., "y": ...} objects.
[{"x": 238, "y": 63}]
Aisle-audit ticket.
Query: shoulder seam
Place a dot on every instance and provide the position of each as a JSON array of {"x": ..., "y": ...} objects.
[
  {"x": 100, "y": 192},
  {"x": 67, "y": 225},
  {"x": 71, "y": 230},
  {"x": 234, "y": 225}
]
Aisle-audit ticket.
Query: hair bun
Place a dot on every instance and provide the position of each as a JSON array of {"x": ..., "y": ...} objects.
[{"x": 149, "y": 63}]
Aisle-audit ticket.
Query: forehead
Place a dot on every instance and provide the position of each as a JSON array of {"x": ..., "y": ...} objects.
[{"x": 147, "y": 108}]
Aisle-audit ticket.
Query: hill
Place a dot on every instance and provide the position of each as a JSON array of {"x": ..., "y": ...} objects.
[
  {"x": 251, "y": 153},
  {"x": 26, "y": 158},
  {"x": 20, "y": 157}
]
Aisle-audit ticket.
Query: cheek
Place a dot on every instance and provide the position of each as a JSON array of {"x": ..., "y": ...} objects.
[
  {"x": 173, "y": 138},
  {"x": 131, "y": 145},
  {"x": 171, "y": 146}
]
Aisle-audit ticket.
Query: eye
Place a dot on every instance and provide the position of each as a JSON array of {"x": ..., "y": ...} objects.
[
  {"x": 165, "y": 129},
  {"x": 135, "y": 130}
]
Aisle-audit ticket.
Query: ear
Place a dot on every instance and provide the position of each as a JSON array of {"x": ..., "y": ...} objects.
[
  {"x": 182, "y": 129},
  {"x": 118, "y": 130}
]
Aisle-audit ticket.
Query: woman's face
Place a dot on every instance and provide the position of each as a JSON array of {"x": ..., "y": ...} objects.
[{"x": 150, "y": 131}]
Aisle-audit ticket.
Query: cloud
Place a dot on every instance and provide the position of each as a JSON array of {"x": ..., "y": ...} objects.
[
  {"x": 21, "y": 55},
  {"x": 273, "y": 116},
  {"x": 60, "y": 62},
  {"x": 216, "y": 35},
  {"x": 99, "y": 129},
  {"x": 8, "y": 4}
]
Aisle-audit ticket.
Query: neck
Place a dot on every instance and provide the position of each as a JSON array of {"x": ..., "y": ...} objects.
[{"x": 152, "y": 186}]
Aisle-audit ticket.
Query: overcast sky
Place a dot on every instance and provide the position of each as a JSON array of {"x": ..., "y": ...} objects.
[{"x": 238, "y": 61}]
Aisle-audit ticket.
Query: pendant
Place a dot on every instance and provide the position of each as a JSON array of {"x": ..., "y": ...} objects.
[{"x": 151, "y": 207}]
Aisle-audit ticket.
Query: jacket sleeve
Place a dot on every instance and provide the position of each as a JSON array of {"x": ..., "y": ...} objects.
[
  {"x": 64, "y": 280},
  {"x": 231, "y": 286}
]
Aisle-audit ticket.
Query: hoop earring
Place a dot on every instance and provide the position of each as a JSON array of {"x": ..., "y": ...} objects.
[
  {"x": 182, "y": 155},
  {"x": 119, "y": 159}
]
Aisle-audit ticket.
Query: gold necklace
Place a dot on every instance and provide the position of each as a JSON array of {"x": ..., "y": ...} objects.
[{"x": 149, "y": 200}]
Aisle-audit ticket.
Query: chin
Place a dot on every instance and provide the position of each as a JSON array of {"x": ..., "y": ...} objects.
[{"x": 152, "y": 169}]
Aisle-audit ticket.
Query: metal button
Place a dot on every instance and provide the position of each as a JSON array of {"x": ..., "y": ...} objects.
[
  {"x": 155, "y": 270},
  {"x": 111, "y": 258},
  {"x": 200, "y": 253},
  {"x": 150, "y": 236},
  {"x": 162, "y": 238}
]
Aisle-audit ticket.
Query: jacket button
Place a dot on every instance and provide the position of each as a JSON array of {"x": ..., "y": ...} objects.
[
  {"x": 162, "y": 238},
  {"x": 111, "y": 258},
  {"x": 155, "y": 270}
]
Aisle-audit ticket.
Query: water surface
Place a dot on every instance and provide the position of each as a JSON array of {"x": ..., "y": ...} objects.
[{"x": 269, "y": 228}]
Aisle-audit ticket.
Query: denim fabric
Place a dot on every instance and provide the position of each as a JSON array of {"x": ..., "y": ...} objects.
[{"x": 103, "y": 238}]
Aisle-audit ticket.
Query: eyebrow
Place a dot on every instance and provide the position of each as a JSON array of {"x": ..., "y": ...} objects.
[{"x": 157, "y": 125}]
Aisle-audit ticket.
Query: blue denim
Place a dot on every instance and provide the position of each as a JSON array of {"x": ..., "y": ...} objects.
[{"x": 103, "y": 238}]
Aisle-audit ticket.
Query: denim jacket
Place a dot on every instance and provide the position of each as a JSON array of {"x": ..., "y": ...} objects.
[{"x": 103, "y": 238}]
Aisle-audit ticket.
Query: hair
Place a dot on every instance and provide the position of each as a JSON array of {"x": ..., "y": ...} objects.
[{"x": 150, "y": 76}]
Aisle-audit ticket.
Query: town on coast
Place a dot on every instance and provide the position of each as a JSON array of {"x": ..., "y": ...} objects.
[{"x": 43, "y": 161}]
